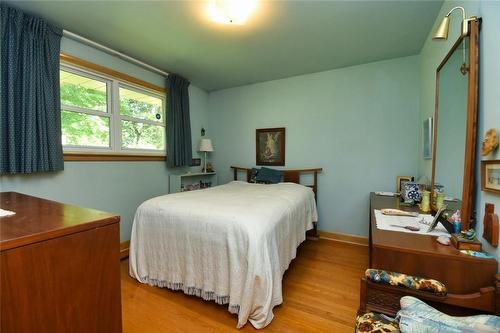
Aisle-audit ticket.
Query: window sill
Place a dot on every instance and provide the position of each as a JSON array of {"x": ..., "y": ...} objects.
[{"x": 93, "y": 157}]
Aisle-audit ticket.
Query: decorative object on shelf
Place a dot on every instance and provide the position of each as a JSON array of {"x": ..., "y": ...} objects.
[
  {"x": 490, "y": 176},
  {"x": 456, "y": 220},
  {"x": 400, "y": 180},
  {"x": 397, "y": 212},
  {"x": 436, "y": 220},
  {"x": 443, "y": 240},
  {"x": 427, "y": 135},
  {"x": 210, "y": 167},
  {"x": 407, "y": 227},
  {"x": 191, "y": 181},
  {"x": 468, "y": 234},
  {"x": 270, "y": 146},
  {"x": 205, "y": 147},
  {"x": 425, "y": 205},
  {"x": 466, "y": 240},
  {"x": 196, "y": 162},
  {"x": 490, "y": 142},
  {"x": 425, "y": 183},
  {"x": 438, "y": 188},
  {"x": 490, "y": 224},
  {"x": 387, "y": 194},
  {"x": 202, "y": 132},
  {"x": 197, "y": 186},
  {"x": 410, "y": 193},
  {"x": 440, "y": 200}
]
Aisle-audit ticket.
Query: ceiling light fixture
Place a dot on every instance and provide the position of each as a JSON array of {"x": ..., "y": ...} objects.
[
  {"x": 441, "y": 33},
  {"x": 231, "y": 11}
]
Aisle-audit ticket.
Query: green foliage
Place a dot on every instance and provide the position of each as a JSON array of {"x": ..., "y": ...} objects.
[
  {"x": 80, "y": 129},
  {"x": 90, "y": 130},
  {"x": 76, "y": 95},
  {"x": 137, "y": 109},
  {"x": 140, "y": 135}
]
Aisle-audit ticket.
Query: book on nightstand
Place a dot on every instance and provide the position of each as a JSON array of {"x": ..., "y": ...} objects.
[{"x": 462, "y": 243}]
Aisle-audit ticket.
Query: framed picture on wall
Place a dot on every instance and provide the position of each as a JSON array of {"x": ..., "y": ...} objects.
[
  {"x": 428, "y": 132},
  {"x": 490, "y": 176},
  {"x": 270, "y": 146}
]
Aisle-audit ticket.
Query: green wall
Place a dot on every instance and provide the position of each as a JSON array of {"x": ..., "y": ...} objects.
[
  {"x": 489, "y": 98},
  {"x": 118, "y": 187},
  {"x": 357, "y": 123}
]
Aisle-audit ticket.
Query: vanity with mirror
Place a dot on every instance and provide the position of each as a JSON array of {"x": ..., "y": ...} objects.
[{"x": 471, "y": 282}]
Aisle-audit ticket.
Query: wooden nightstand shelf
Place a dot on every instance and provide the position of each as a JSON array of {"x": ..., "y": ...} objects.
[{"x": 191, "y": 181}]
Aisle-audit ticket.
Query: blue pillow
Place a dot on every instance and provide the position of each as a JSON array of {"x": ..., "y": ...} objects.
[
  {"x": 269, "y": 176},
  {"x": 253, "y": 175}
]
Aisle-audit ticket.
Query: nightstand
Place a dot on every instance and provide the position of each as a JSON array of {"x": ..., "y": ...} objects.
[{"x": 192, "y": 181}]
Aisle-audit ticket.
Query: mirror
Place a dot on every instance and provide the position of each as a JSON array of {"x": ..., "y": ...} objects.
[
  {"x": 452, "y": 120},
  {"x": 455, "y": 127}
]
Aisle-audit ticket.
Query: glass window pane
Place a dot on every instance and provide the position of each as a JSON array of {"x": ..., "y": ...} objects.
[
  {"x": 141, "y": 106},
  {"x": 81, "y": 91},
  {"x": 142, "y": 136},
  {"x": 79, "y": 129}
]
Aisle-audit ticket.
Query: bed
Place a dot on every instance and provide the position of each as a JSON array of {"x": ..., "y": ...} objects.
[{"x": 230, "y": 244}]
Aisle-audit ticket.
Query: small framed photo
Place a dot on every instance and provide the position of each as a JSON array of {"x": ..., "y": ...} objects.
[
  {"x": 270, "y": 146},
  {"x": 490, "y": 176},
  {"x": 400, "y": 180},
  {"x": 428, "y": 132}
]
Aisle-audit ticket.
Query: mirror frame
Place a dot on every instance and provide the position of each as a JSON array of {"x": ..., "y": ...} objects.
[{"x": 467, "y": 208}]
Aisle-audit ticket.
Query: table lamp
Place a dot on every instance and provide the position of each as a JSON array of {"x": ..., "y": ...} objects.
[{"x": 205, "y": 146}]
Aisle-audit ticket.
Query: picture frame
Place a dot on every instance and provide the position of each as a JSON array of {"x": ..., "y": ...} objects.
[
  {"x": 428, "y": 131},
  {"x": 270, "y": 146},
  {"x": 490, "y": 176},
  {"x": 400, "y": 180}
]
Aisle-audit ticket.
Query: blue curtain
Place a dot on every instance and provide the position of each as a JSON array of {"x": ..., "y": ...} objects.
[
  {"x": 30, "y": 113},
  {"x": 179, "y": 151}
]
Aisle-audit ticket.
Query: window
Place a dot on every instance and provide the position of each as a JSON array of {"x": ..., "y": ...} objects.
[{"x": 103, "y": 114}]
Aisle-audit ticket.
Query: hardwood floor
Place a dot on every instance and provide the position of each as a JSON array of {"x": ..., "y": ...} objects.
[{"x": 320, "y": 292}]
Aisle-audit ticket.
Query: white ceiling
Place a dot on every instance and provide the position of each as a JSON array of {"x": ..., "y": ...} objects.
[{"x": 281, "y": 39}]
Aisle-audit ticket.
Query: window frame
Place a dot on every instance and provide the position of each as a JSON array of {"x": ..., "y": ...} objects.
[{"x": 114, "y": 80}]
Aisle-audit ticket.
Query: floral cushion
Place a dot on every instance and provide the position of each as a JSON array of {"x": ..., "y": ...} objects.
[
  {"x": 408, "y": 281},
  {"x": 417, "y": 317},
  {"x": 375, "y": 323}
]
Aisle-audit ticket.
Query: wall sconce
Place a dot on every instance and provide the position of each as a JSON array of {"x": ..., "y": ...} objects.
[{"x": 443, "y": 29}]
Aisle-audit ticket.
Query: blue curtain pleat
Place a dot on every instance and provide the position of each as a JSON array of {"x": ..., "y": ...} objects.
[
  {"x": 30, "y": 128},
  {"x": 179, "y": 150}
]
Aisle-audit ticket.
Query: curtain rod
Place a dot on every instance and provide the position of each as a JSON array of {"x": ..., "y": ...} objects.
[{"x": 78, "y": 38}]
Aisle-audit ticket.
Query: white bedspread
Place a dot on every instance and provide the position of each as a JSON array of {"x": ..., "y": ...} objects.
[{"x": 231, "y": 243}]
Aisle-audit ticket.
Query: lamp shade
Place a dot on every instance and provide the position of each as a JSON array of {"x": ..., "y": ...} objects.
[
  {"x": 206, "y": 145},
  {"x": 442, "y": 31}
]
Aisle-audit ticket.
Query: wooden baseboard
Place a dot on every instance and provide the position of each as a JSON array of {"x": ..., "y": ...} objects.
[
  {"x": 124, "y": 247},
  {"x": 344, "y": 238}
]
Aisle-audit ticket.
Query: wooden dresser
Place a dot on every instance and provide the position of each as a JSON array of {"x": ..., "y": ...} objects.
[
  {"x": 60, "y": 267},
  {"x": 422, "y": 255},
  {"x": 472, "y": 283}
]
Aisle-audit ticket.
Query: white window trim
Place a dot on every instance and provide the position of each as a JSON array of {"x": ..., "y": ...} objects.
[{"x": 113, "y": 113}]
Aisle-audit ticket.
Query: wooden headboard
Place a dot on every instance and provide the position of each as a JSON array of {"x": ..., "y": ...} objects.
[{"x": 291, "y": 176}]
